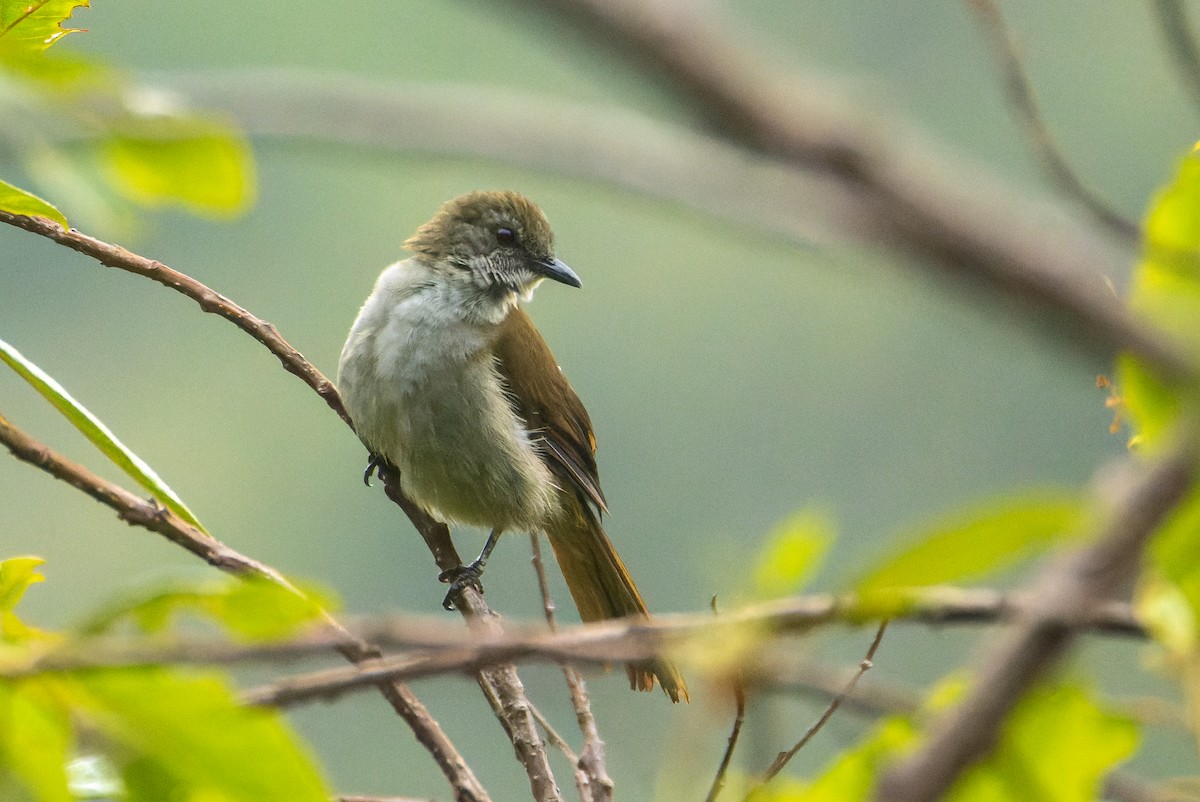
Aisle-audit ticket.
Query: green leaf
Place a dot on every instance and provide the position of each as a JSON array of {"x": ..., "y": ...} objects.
[
  {"x": 17, "y": 574},
  {"x": 252, "y": 608},
  {"x": 27, "y": 25},
  {"x": 793, "y": 551},
  {"x": 1172, "y": 555},
  {"x": 1166, "y": 293},
  {"x": 976, "y": 541},
  {"x": 1151, "y": 405},
  {"x": 17, "y": 201},
  {"x": 202, "y": 165},
  {"x": 181, "y": 736},
  {"x": 96, "y": 432},
  {"x": 1057, "y": 746},
  {"x": 853, "y": 774},
  {"x": 35, "y": 740}
]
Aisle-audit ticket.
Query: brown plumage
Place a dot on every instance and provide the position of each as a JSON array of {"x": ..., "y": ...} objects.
[{"x": 598, "y": 580}]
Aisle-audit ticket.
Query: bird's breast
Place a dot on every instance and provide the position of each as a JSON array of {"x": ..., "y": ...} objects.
[{"x": 432, "y": 403}]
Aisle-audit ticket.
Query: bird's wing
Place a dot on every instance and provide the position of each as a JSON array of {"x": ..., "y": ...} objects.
[{"x": 543, "y": 399}]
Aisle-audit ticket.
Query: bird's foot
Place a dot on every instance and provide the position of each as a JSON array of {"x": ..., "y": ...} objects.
[
  {"x": 374, "y": 464},
  {"x": 460, "y": 578}
]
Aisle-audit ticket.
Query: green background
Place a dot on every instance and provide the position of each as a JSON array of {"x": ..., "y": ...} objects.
[{"x": 732, "y": 378}]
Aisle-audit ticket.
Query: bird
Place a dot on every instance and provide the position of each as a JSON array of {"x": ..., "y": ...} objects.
[{"x": 445, "y": 377}]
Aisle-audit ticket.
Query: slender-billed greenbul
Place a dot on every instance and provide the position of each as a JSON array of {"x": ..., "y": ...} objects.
[{"x": 445, "y": 377}]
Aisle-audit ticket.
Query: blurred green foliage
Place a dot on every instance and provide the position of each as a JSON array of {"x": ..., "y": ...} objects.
[
  {"x": 732, "y": 378},
  {"x": 166, "y": 733},
  {"x": 82, "y": 133}
]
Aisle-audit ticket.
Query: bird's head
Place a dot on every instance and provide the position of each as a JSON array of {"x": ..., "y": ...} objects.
[{"x": 497, "y": 242}]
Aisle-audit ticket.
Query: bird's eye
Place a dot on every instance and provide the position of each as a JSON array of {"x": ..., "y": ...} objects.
[{"x": 506, "y": 236}]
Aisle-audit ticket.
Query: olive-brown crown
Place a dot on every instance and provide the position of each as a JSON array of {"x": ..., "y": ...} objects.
[{"x": 474, "y": 225}]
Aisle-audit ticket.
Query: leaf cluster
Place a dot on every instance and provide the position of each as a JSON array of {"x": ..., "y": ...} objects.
[{"x": 83, "y": 134}]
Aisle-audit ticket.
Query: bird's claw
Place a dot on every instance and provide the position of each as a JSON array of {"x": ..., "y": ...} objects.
[
  {"x": 461, "y": 577},
  {"x": 373, "y": 465}
]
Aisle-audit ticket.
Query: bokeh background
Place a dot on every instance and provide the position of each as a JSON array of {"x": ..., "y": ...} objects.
[{"x": 733, "y": 377}]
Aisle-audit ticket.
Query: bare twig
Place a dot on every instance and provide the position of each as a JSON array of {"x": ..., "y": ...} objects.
[
  {"x": 783, "y": 758},
  {"x": 439, "y": 651},
  {"x": 501, "y": 686},
  {"x": 160, "y": 520},
  {"x": 1044, "y": 632},
  {"x": 622, "y": 641},
  {"x": 739, "y": 718},
  {"x": 1023, "y": 101},
  {"x": 874, "y": 701},
  {"x": 591, "y": 769},
  {"x": 1181, "y": 43},
  {"x": 209, "y": 300}
]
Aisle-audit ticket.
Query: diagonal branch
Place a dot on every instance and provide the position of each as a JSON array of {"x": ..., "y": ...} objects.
[
  {"x": 1181, "y": 43},
  {"x": 1044, "y": 633},
  {"x": 953, "y": 216},
  {"x": 150, "y": 515},
  {"x": 1023, "y": 101},
  {"x": 867, "y": 663},
  {"x": 209, "y": 300},
  {"x": 943, "y": 214},
  {"x": 501, "y": 686}
]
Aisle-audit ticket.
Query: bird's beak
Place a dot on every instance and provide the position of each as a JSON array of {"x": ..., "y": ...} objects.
[{"x": 557, "y": 270}]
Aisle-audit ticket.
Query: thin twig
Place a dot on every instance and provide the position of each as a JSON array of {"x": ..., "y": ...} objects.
[
  {"x": 783, "y": 758},
  {"x": 1044, "y": 633},
  {"x": 897, "y": 699},
  {"x": 1181, "y": 43},
  {"x": 639, "y": 639},
  {"x": 739, "y": 718},
  {"x": 158, "y": 519},
  {"x": 209, "y": 300},
  {"x": 1023, "y": 101},
  {"x": 501, "y": 686},
  {"x": 438, "y": 650},
  {"x": 591, "y": 767}
]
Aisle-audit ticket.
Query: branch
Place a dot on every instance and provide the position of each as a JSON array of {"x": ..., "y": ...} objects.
[
  {"x": 149, "y": 515},
  {"x": 439, "y": 650},
  {"x": 514, "y": 707},
  {"x": 622, "y": 640},
  {"x": 1181, "y": 44},
  {"x": 590, "y": 768},
  {"x": 923, "y": 201},
  {"x": 1023, "y": 101},
  {"x": 875, "y": 700},
  {"x": 158, "y": 519},
  {"x": 1044, "y": 632},
  {"x": 210, "y": 301},
  {"x": 783, "y": 758},
  {"x": 735, "y": 731},
  {"x": 940, "y": 212},
  {"x": 501, "y": 686}
]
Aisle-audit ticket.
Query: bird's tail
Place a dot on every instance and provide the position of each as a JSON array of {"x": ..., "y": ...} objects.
[{"x": 602, "y": 589}]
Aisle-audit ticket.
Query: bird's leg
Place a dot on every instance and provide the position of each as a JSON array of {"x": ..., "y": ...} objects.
[
  {"x": 374, "y": 463},
  {"x": 464, "y": 576}
]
